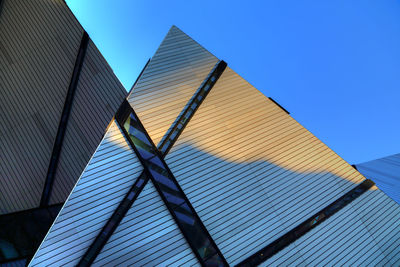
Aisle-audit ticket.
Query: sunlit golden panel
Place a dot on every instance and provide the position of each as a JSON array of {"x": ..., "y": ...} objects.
[
  {"x": 173, "y": 75},
  {"x": 237, "y": 123}
]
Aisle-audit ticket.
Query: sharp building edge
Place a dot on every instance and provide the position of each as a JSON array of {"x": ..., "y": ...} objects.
[
  {"x": 234, "y": 179},
  {"x": 385, "y": 172}
]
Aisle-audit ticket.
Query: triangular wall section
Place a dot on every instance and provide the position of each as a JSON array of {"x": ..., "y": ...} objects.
[{"x": 171, "y": 78}]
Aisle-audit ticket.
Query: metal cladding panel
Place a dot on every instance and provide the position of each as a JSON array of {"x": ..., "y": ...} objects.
[
  {"x": 147, "y": 236},
  {"x": 251, "y": 171},
  {"x": 103, "y": 184},
  {"x": 171, "y": 78},
  {"x": 38, "y": 47},
  {"x": 385, "y": 172},
  {"x": 364, "y": 233},
  {"x": 98, "y": 96}
]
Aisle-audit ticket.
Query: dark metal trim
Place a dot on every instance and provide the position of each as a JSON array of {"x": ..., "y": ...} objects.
[
  {"x": 115, "y": 219},
  {"x": 279, "y": 105},
  {"x": 121, "y": 118},
  {"x": 55, "y": 155},
  {"x": 294, "y": 234}
]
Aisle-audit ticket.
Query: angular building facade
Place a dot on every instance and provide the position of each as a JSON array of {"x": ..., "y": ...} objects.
[
  {"x": 385, "y": 172},
  {"x": 57, "y": 97},
  {"x": 199, "y": 168}
]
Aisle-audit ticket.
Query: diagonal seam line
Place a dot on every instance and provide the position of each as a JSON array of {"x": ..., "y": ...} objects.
[
  {"x": 307, "y": 225},
  {"x": 58, "y": 142},
  {"x": 165, "y": 145}
]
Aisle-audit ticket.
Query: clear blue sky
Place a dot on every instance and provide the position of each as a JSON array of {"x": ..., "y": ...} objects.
[{"x": 335, "y": 65}]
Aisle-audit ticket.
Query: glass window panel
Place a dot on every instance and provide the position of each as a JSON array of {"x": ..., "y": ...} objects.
[
  {"x": 164, "y": 180},
  {"x": 174, "y": 199},
  {"x": 157, "y": 161}
]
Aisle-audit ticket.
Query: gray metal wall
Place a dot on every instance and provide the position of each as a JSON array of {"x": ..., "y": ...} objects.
[
  {"x": 97, "y": 98},
  {"x": 385, "y": 172},
  {"x": 39, "y": 42}
]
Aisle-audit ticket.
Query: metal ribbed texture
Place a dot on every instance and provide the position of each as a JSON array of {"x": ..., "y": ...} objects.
[
  {"x": 385, "y": 172},
  {"x": 38, "y": 47},
  {"x": 251, "y": 171},
  {"x": 365, "y": 233},
  {"x": 104, "y": 182},
  {"x": 169, "y": 81},
  {"x": 147, "y": 236},
  {"x": 97, "y": 98}
]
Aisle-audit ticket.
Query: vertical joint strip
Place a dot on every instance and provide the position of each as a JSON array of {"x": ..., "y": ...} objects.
[
  {"x": 188, "y": 112},
  {"x": 170, "y": 138},
  {"x": 307, "y": 225},
  {"x": 173, "y": 196},
  {"x": 55, "y": 155}
]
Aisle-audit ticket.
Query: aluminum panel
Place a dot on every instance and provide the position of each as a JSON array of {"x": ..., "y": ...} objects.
[
  {"x": 147, "y": 236},
  {"x": 364, "y": 233},
  {"x": 104, "y": 182},
  {"x": 36, "y": 36},
  {"x": 171, "y": 78},
  {"x": 251, "y": 171}
]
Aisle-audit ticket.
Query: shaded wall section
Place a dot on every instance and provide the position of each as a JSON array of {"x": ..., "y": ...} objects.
[
  {"x": 38, "y": 48},
  {"x": 39, "y": 43},
  {"x": 98, "y": 96}
]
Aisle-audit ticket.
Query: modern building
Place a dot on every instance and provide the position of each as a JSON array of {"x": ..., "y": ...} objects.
[
  {"x": 199, "y": 168},
  {"x": 57, "y": 97},
  {"x": 385, "y": 172}
]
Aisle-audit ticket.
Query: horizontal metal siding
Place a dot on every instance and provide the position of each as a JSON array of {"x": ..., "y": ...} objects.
[
  {"x": 251, "y": 171},
  {"x": 104, "y": 182},
  {"x": 147, "y": 236},
  {"x": 385, "y": 172},
  {"x": 39, "y": 42},
  {"x": 97, "y": 98},
  {"x": 169, "y": 81},
  {"x": 364, "y": 233}
]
